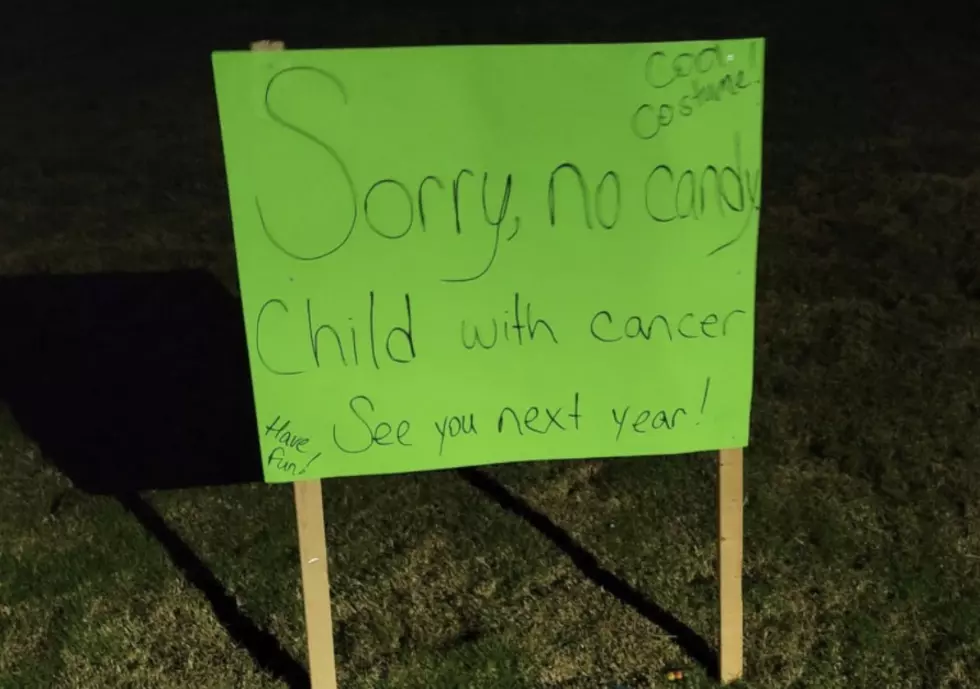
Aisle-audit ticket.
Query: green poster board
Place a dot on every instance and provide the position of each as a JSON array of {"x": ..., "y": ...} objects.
[{"x": 456, "y": 256}]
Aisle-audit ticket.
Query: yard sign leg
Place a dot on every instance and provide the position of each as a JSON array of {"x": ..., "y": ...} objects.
[
  {"x": 313, "y": 556},
  {"x": 316, "y": 584},
  {"x": 730, "y": 502}
]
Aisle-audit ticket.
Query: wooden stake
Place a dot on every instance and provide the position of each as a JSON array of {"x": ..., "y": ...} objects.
[
  {"x": 313, "y": 556},
  {"x": 268, "y": 45},
  {"x": 730, "y": 503},
  {"x": 316, "y": 583}
]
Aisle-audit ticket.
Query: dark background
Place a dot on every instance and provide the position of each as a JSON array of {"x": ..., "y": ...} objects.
[
  {"x": 109, "y": 136},
  {"x": 122, "y": 352}
]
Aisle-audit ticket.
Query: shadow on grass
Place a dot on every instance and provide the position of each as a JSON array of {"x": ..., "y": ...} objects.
[
  {"x": 139, "y": 381},
  {"x": 686, "y": 638},
  {"x": 130, "y": 381},
  {"x": 133, "y": 382},
  {"x": 264, "y": 648}
]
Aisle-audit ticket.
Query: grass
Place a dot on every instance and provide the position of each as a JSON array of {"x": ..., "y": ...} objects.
[{"x": 862, "y": 562}]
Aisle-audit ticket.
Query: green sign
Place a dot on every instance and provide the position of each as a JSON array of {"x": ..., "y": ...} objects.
[{"x": 456, "y": 256}]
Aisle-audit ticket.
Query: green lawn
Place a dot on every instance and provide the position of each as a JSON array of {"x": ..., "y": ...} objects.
[{"x": 862, "y": 531}]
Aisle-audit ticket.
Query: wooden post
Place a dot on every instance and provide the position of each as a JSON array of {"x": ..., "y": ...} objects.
[
  {"x": 730, "y": 503},
  {"x": 316, "y": 583},
  {"x": 313, "y": 556}
]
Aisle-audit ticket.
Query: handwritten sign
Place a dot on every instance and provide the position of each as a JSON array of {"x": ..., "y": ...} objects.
[{"x": 457, "y": 256}]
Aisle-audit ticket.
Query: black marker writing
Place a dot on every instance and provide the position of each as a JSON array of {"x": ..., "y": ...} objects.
[
  {"x": 260, "y": 351},
  {"x": 648, "y": 120},
  {"x": 373, "y": 434},
  {"x": 454, "y": 426},
  {"x": 459, "y": 176},
  {"x": 396, "y": 190},
  {"x": 307, "y": 465},
  {"x": 438, "y": 182},
  {"x": 495, "y": 221},
  {"x": 387, "y": 194},
  {"x": 336, "y": 341},
  {"x": 282, "y": 435},
  {"x": 684, "y": 194},
  {"x": 640, "y": 422},
  {"x": 754, "y": 191},
  {"x": 704, "y": 397},
  {"x": 323, "y": 78},
  {"x": 480, "y": 206},
  {"x": 583, "y": 187},
  {"x": 278, "y": 457},
  {"x": 281, "y": 432},
  {"x": 539, "y": 420},
  {"x": 605, "y": 327},
  {"x": 510, "y": 328},
  {"x": 662, "y": 71},
  {"x": 606, "y": 197},
  {"x": 601, "y": 203}
]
